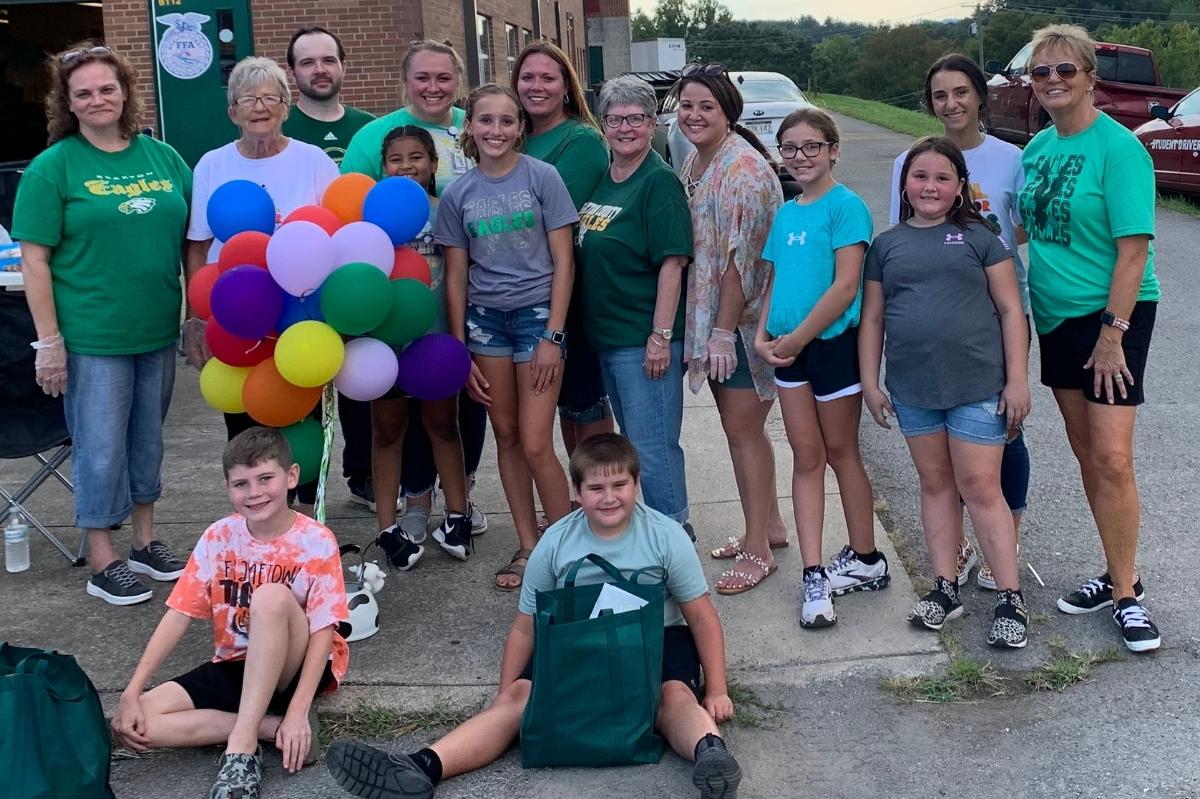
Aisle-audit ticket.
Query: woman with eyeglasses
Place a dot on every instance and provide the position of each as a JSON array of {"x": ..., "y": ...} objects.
[
  {"x": 634, "y": 241},
  {"x": 293, "y": 173},
  {"x": 1088, "y": 208},
  {"x": 733, "y": 195},
  {"x": 956, "y": 94},
  {"x": 101, "y": 215}
]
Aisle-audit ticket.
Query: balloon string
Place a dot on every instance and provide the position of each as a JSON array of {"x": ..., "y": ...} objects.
[{"x": 328, "y": 409}]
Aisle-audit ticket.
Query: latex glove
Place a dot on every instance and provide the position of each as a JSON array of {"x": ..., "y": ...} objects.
[
  {"x": 195, "y": 347},
  {"x": 722, "y": 354},
  {"x": 50, "y": 364}
]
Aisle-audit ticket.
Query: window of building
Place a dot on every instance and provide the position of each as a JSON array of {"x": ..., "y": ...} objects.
[
  {"x": 483, "y": 30},
  {"x": 526, "y": 37},
  {"x": 512, "y": 34}
]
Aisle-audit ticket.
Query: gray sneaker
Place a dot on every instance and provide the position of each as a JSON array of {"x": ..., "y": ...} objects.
[
  {"x": 415, "y": 523},
  {"x": 117, "y": 585},
  {"x": 478, "y": 520},
  {"x": 373, "y": 773},
  {"x": 240, "y": 777},
  {"x": 156, "y": 561}
]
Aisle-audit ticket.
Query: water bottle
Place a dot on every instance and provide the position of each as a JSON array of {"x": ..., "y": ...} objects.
[{"x": 16, "y": 544}]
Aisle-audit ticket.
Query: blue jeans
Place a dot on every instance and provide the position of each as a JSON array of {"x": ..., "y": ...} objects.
[
  {"x": 115, "y": 406},
  {"x": 650, "y": 413}
]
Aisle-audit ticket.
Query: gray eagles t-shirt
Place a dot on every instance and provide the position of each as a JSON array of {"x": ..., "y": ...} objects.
[
  {"x": 502, "y": 223},
  {"x": 943, "y": 343}
]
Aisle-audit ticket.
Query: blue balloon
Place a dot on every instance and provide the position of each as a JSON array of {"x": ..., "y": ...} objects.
[
  {"x": 300, "y": 309},
  {"x": 400, "y": 206},
  {"x": 240, "y": 205}
]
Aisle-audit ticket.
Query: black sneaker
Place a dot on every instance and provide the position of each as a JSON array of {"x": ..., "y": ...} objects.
[
  {"x": 362, "y": 492},
  {"x": 716, "y": 774},
  {"x": 937, "y": 607},
  {"x": 374, "y": 774},
  {"x": 117, "y": 585},
  {"x": 1093, "y": 595},
  {"x": 691, "y": 531},
  {"x": 454, "y": 535},
  {"x": 401, "y": 552},
  {"x": 1010, "y": 627},
  {"x": 1140, "y": 633},
  {"x": 156, "y": 561},
  {"x": 240, "y": 777}
]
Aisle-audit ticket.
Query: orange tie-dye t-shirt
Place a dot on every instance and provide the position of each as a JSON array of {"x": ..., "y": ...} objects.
[{"x": 228, "y": 564}]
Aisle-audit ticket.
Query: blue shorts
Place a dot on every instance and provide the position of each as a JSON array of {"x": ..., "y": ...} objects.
[
  {"x": 973, "y": 422},
  {"x": 506, "y": 334}
]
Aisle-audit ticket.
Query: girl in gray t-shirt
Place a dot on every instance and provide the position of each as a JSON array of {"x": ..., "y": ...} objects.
[{"x": 942, "y": 286}]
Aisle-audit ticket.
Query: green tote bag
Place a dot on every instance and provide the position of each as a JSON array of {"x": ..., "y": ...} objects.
[
  {"x": 54, "y": 741},
  {"x": 596, "y": 682}
]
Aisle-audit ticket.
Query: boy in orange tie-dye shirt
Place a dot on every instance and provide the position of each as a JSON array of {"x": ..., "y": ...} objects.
[{"x": 270, "y": 580}]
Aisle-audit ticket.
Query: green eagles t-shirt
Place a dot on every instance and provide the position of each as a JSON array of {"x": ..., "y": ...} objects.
[
  {"x": 365, "y": 153},
  {"x": 332, "y": 137},
  {"x": 579, "y": 153},
  {"x": 626, "y": 231},
  {"x": 1081, "y": 193},
  {"x": 115, "y": 224}
]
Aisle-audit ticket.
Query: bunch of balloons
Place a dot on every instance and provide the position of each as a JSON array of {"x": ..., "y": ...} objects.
[{"x": 331, "y": 295}]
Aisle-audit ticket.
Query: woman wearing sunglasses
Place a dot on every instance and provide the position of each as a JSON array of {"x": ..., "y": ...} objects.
[
  {"x": 101, "y": 215},
  {"x": 1088, "y": 208}
]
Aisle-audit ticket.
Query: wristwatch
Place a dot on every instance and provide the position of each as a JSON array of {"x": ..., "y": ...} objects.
[
  {"x": 1112, "y": 320},
  {"x": 664, "y": 333},
  {"x": 554, "y": 336}
]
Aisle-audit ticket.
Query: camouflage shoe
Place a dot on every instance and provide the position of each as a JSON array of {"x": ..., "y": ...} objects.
[{"x": 240, "y": 777}]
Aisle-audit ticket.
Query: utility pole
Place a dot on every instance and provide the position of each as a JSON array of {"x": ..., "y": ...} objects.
[{"x": 978, "y": 25}]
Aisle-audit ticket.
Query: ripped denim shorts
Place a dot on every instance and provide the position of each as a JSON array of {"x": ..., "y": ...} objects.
[{"x": 513, "y": 334}]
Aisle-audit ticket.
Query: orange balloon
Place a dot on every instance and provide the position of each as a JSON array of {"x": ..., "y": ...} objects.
[
  {"x": 345, "y": 196},
  {"x": 410, "y": 264},
  {"x": 199, "y": 290},
  {"x": 246, "y": 248},
  {"x": 272, "y": 401}
]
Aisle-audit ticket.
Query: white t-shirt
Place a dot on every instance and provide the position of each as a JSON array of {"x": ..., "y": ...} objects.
[
  {"x": 996, "y": 178},
  {"x": 294, "y": 177}
]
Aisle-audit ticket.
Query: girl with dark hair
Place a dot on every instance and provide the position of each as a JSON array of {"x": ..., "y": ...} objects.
[
  {"x": 956, "y": 93},
  {"x": 943, "y": 287}
]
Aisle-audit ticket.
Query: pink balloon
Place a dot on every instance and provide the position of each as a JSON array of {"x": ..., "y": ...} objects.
[
  {"x": 300, "y": 255},
  {"x": 364, "y": 242},
  {"x": 369, "y": 370}
]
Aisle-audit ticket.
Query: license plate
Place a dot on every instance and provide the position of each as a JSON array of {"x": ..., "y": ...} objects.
[{"x": 759, "y": 127}]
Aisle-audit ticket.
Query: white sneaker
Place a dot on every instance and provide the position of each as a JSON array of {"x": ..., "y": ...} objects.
[
  {"x": 848, "y": 574},
  {"x": 817, "y": 610}
]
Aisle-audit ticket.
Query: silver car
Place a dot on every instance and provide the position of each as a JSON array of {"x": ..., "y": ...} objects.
[{"x": 768, "y": 98}]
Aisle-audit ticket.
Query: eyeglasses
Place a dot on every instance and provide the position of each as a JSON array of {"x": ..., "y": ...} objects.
[
  {"x": 709, "y": 70},
  {"x": 1066, "y": 70},
  {"x": 635, "y": 120},
  {"x": 809, "y": 148},
  {"x": 249, "y": 101},
  {"x": 71, "y": 56}
]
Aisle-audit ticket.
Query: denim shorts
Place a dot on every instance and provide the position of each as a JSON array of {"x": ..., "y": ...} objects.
[
  {"x": 973, "y": 422},
  {"x": 506, "y": 334}
]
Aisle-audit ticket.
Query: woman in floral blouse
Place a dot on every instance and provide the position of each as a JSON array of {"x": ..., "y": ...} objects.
[{"x": 733, "y": 195}]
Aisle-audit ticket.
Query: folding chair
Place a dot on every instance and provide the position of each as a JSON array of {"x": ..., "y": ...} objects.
[{"x": 32, "y": 424}]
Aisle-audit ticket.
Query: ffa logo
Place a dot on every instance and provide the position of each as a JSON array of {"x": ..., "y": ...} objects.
[
  {"x": 794, "y": 239},
  {"x": 138, "y": 205},
  {"x": 184, "y": 50}
]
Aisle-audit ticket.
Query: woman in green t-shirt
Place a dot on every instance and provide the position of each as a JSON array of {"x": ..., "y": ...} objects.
[{"x": 101, "y": 215}]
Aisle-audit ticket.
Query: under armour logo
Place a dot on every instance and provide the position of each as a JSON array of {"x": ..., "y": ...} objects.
[
  {"x": 954, "y": 238},
  {"x": 794, "y": 239}
]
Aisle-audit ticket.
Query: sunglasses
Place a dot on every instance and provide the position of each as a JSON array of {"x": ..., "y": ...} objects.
[
  {"x": 810, "y": 148},
  {"x": 635, "y": 120},
  {"x": 71, "y": 56},
  {"x": 708, "y": 70},
  {"x": 1066, "y": 70}
]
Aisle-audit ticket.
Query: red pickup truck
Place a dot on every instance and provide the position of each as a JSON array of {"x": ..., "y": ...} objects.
[{"x": 1126, "y": 89}]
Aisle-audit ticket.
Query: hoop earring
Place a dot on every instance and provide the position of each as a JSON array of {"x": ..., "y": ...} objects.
[
  {"x": 958, "y": 203},
  {"x": 904, "y": 197}
]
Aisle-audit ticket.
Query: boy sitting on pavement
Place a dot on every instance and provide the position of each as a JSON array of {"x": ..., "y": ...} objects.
[
  {"x": 271, "y": 581},
  {"x": 631, "y": 536}
]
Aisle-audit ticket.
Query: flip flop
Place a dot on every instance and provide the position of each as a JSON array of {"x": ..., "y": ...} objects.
[
  {"x": 748, "y": 580},
  {"x": 515, "y": 569},
  {"x": 733, "y": 547}
]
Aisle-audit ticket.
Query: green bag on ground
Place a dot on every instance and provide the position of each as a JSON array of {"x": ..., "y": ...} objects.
[
  {"x": 596, "y": 682},
  {"x": 54, "y": 741}
]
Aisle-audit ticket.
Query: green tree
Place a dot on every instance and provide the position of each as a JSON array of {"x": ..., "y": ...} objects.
[
  {"x": 832, "y": 62},
  {"x": 671, "y": 18},
  {"x": 1006, "y": 32},
  {"x": 642, "y": 25},
  {"x": 893, "y": 64}
]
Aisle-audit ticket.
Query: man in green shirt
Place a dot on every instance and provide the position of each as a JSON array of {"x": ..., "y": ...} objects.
[{"x": 316, "y": 59}]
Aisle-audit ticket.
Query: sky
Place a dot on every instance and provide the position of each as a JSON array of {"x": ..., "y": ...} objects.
[{"x": 849, "y": 10}]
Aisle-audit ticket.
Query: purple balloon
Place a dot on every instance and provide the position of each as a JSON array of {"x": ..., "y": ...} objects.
[
  {"x": 300, "y": 257},
  {"x": 433, "y": 367},
  {"x": 247, "y": 302}
]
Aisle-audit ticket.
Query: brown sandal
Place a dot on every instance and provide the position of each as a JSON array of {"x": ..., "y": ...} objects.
[
  {"x": 733, "y": 547},
  {"x": 515, "y": 569}
]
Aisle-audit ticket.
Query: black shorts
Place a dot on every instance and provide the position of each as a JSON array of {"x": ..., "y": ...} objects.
[
  {"x": 582, "y": 398},
  {"x": 830, "y": 366},
  {"x": 680, "y": 660},
  {"x": 1066, "y": 348},
  {"x": 218, "y": 686}
]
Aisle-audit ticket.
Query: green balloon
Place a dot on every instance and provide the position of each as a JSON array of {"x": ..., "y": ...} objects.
[
  {"x": 306, "y": 440},
  {"x": 413, "y": 310},
  {"x": 355, "y": 298}
]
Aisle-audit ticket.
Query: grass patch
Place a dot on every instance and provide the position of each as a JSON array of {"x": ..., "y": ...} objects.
[
  {"x": 749, "y": 709},
  {"x": 366, "y": 720},
  {"x": 1065, "y": 669},
  {"x": 1180, "y": 203},
  {"x": 901, "y": 120},
  {"x": 906, "y": 552},
  {"x": 964, "y": 680}
]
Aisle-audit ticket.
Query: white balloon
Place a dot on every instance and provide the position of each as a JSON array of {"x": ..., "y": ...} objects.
[
  {"x": 369, "y": 370},
  {"x": 364, "y": 242}
]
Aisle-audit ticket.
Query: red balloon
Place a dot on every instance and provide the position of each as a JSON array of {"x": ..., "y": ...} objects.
[
  {"x": 235, "y": 351},
  {"x": 199, "y": 290},
  {"x": 318, "y": 215},
  {"x": 410, "y": 264},
  {"x": 246, "y": 248}
]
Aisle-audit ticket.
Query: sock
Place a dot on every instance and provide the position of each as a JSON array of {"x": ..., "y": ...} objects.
[
  {"x": 455, "y": 515},
  {"x": 869, "y": 558},
  {"x": 430, "y": 764},
  {"x": 709, "y": 741}
]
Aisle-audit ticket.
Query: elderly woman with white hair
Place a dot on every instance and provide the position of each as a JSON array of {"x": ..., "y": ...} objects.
[
  {"x": 635, "y": 238},
  {"x": 292, "y": 172}
]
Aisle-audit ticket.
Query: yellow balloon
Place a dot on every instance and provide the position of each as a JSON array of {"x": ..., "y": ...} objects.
[
  {"x": 309, "y": 354},
  {"x": 221, "y": 385}
]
